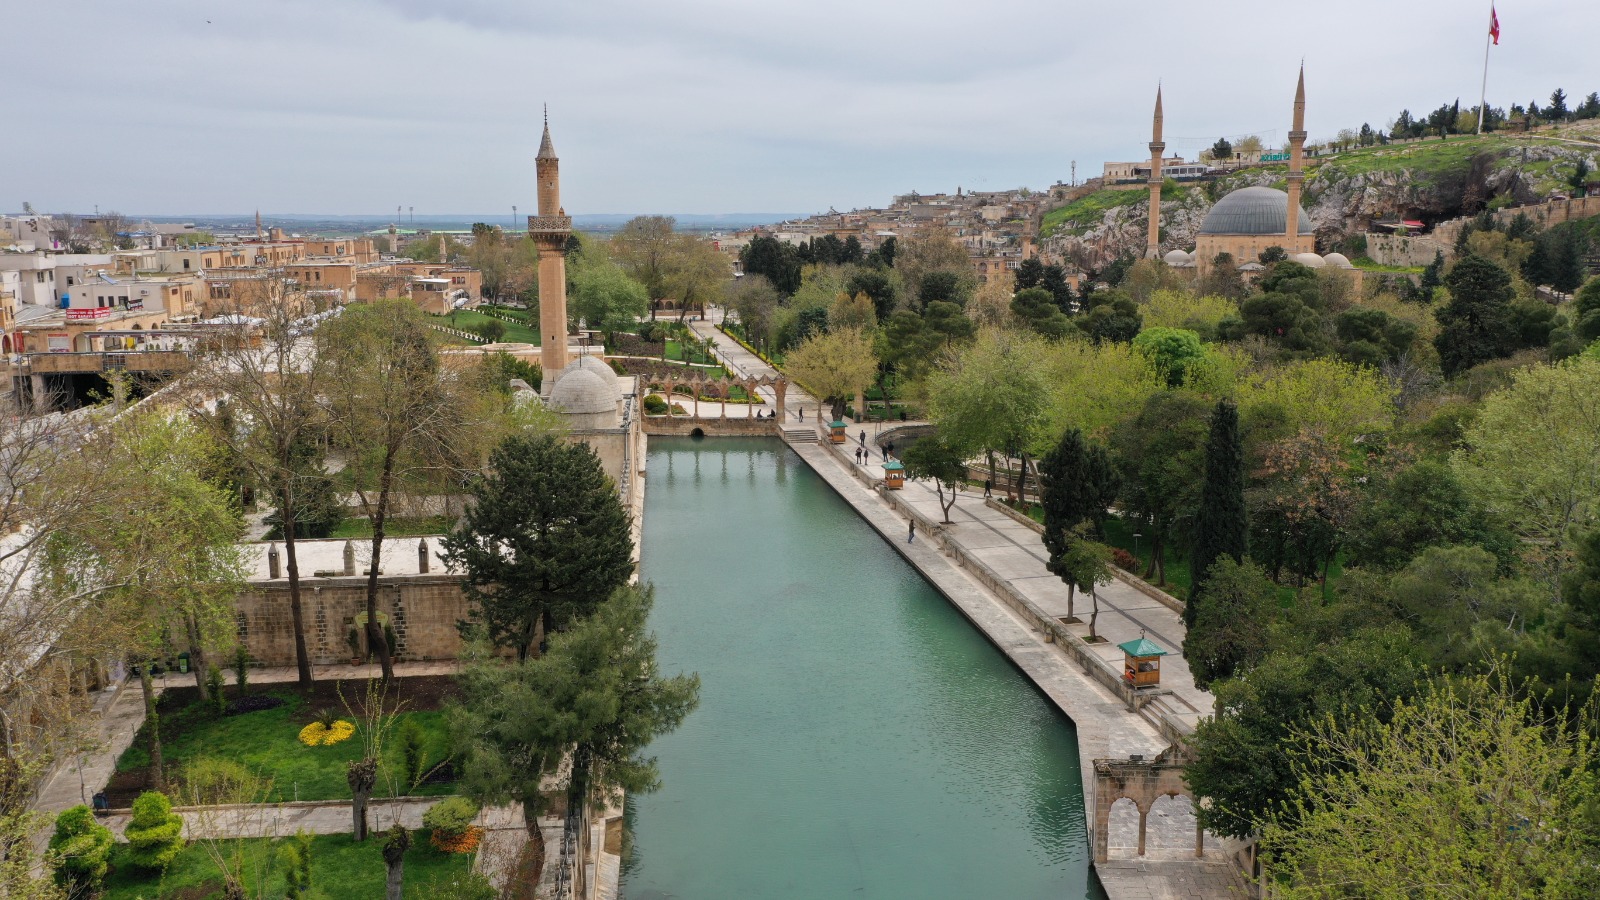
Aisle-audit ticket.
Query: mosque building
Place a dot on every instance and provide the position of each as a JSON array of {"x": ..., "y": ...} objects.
[{"x": 1247, "y": 221}]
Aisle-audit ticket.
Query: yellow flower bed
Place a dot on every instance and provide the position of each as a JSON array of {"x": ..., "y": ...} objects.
[{"x": 318, "y": 734}]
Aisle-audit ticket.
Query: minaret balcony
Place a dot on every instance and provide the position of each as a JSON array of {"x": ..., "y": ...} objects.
[{"x": 549, "y": 225}]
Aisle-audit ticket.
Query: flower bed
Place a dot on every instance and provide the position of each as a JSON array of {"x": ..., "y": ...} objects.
[
  {"x": 319, "y": 735},
  {"x": 465, "y": 842}
]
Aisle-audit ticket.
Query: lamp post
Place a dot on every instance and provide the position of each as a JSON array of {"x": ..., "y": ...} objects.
[{"x": 1136, "y": 536}]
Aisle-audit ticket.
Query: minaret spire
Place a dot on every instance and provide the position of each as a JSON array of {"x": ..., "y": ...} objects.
[
  {"x": 1157, "y": 147},
  {"x": 1297, "y": 144}
]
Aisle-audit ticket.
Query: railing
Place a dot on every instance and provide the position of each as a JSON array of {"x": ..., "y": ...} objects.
[
  {"x": 549, "y": 224},
  {"x": 566, "y": 870}
]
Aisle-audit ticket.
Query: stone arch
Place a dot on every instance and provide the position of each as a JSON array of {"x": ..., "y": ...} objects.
[
  {"x": 1124, "y": 828},
  {"x": 1171, "y": 828},
  {"x": 1143, "y": 781},
  {"x": 698, "y": 432}
]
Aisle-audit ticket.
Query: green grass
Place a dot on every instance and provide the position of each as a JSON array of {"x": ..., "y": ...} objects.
[
  {"x": 470, "y": 320},
  {"x": 1085, "y": 212},
  {"x": 267, "y": 742},
  {"x": 340, "y": 867},
  {"x": 1430, "y": 157},
  {"x": 395, "y": 526}
]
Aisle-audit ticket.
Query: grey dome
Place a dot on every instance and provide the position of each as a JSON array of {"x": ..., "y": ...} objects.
[
  {"x": 590, "y": 364},
  {"x": 1339, "y": 260},
  {"x": 1253, "y": 210},
  {"x": 1177, "y": 258},
  {"x": 1310, "y": 260},
  {"x": 582, "y": 392}
]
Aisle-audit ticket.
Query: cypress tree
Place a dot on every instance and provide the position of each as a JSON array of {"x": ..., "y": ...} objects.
[
  {"x": 1063, "y": 471},
  {"x": 1220, "y": 525}
]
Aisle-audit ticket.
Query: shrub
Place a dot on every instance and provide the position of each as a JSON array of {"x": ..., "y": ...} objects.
[
  {"x": 654, "y": 405},
  {"x": 450, "y": 818},
  {"x": 1124, "y": 560},
  {"x": 254, "y": 703},
  {"x": 214, "y": 682},
  {"x": 295, "y": 855},
  {"x": 155, "y": 833},
  {"x": 241, "y": 669},
  {"x": 80, "y": 849},
  {"x": 413, "y": 754}
]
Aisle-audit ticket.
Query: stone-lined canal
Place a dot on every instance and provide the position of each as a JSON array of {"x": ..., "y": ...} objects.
[{"x": 856, "y": 736}]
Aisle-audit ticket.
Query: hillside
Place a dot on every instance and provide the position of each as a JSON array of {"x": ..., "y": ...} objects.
[{"x": 1431, "y": 180}]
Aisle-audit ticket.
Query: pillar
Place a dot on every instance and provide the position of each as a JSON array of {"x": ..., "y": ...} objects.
[
  {"x": 1143, "y": 814},
  {"x": 779, "y": 389},
  {"x": 1199, "y": 836},
  {"x": 861, "y": 405},
  {"x": 349, "y": 558}
]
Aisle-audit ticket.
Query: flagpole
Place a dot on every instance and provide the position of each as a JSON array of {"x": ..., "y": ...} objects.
[{"x": 1483, "y": 106}]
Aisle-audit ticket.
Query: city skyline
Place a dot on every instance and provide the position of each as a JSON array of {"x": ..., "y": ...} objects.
[{"x": 698, "y": 108}]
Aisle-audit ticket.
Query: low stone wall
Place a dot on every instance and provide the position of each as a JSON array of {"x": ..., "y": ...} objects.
[
  {"x": 1123, "y": 575},
  {"x": 684, "y": 426},
  {"x": 1403, "y": 249},
  {"x": 424, "y": 610}
]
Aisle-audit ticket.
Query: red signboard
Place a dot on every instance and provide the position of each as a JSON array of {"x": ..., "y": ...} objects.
[{"x": 88, "y": 315}]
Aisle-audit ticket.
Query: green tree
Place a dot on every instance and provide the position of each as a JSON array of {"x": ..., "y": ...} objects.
[
  {"x": 595, "y": 700},
  {"x": 1586, "y": 311},
  {"x": 80, "y": 850},
  {"x": 935, "y": 458},
  {"x": 835, "y": 365},
  {"x": 1475, "y": 326},
  {"x": 1240, "y": 761},
  {"x": 1533, "y": 457},
  {"x": 755, "y": 301},
  {"x": 1037, "y": 309},
  {"x": 1229, "y": 635},
  {"x": 1081, "y": 564},
  {"x": 1171, "y": 350},
  {"x": 1472, "y": 788},
  {"x": 1220, "y": 527},
  {"x": 155, "y": 833},
  {"x": 396, "y": 841},
  {"x": 1222, "y": 150},
  {"x": 544, "y": 540},
  {"x": 990, "y": 396},
  {"x": 401, "y": 418},
  {"x": 605, "y": 298},
  {"x": 491, "y": 330},
  {"x": 1424, "y": 505},
  {"x": 1161, "y": 455},
  {"x": 772, "y": 259}
]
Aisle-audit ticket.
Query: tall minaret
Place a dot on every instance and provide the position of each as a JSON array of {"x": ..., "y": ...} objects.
[
  {"x": 550, "y": 230},
  {"x": 1153, "y": 242},
  {"x": 1297, "y": 144}
]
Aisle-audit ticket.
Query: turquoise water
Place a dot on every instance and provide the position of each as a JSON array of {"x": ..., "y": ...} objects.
[{"x": 856, "y": 737}]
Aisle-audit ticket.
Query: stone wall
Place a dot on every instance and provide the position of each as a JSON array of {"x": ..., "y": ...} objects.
[
  {"x": 732, "y": 427},
  {"x": 423, "y": 608},
  {"x": 1403, "y": 249}
]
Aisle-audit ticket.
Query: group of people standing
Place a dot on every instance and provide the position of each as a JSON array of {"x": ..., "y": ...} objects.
[{"x": 864, "y": 455}]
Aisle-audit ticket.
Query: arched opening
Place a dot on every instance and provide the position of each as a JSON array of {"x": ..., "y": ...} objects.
[
  {"x": 1169, "y": 828},
  {"x": 1122, "y": 829},
  {"x": 698, "y": 433}
]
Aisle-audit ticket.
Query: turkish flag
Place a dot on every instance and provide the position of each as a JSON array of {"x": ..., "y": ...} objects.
[{"x": 1494, "y": 25}]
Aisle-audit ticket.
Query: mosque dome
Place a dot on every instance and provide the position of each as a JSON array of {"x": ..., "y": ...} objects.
[
  {"x": 1253, "y": 211},
  {"x": 582, "y": 393},
  {"x": 1177, "y": 258},
  {"x": 1309, "y": 260},
  {"x": 592, "y": 364},
  {"x": 1338, "y": 260}
]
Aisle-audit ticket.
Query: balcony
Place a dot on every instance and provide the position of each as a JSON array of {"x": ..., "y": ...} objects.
[{"x": 549, "y": 225}]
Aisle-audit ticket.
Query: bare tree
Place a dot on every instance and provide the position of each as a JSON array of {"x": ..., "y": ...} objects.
[{"x": 265, "y": 366}]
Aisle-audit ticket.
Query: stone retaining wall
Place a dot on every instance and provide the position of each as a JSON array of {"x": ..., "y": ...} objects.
[
  {"x": 685, "y": 426},
  {"x": 424, "y": 610}
]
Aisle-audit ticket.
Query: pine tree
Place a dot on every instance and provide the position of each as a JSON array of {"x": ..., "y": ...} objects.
[
  {"x": 1476, "y": 325},
  {"x": 1220, "y": 525},
  {"x": 544, "y": 541}
]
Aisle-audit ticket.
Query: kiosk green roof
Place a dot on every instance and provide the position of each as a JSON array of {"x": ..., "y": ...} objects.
[{"x": 1142, "y": 647}]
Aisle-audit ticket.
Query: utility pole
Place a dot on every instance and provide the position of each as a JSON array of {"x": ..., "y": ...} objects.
[{"x": 513, "y": 217}]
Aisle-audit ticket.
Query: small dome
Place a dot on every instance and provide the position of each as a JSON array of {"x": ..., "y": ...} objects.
[
  {"x": 1253, "y": 211},
  {"x": 590, "y": 364},
  {"x": 1176, "y": 258},
  {"x": 1252, "y": 267},
  {"x": 1310, "y": 260},
  {"x": 1338, "y": 260},
  {"x": 582, "y": 392}
]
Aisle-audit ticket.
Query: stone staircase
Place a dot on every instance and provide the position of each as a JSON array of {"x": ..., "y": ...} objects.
[{"x": 800, "y": 434}]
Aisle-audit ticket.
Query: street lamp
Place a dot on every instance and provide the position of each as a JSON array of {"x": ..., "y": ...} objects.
[{"x": 1136, "y": 536}]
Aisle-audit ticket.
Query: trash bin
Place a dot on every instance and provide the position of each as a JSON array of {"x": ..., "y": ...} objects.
[
  {"x": 183, "y": 663},
  {"x": 100, "y": 803}
]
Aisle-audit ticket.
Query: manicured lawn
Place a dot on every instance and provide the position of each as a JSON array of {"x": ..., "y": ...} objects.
[
  {"x": 470, "y": 320},
  {"x": 395, "y": 526},
  {"x": 340, "y": 867},
  {"x": 267, "y": 742}
]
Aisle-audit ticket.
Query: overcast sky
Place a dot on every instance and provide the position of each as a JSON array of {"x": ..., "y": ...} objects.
[{"x": 357, "y": 106}]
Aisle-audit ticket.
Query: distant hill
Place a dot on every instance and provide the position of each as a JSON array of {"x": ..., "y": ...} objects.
[{"x": 323, "y": 224}]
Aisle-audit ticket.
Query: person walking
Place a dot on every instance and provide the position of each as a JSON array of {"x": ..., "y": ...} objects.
[
  {"x": 863, "y": 438},
  {"x": 911, "y": 535},
  {"x": 988, "y": 488}
]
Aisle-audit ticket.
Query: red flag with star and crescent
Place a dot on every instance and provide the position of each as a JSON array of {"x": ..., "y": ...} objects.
[{"x": 1494, "y": 25}]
